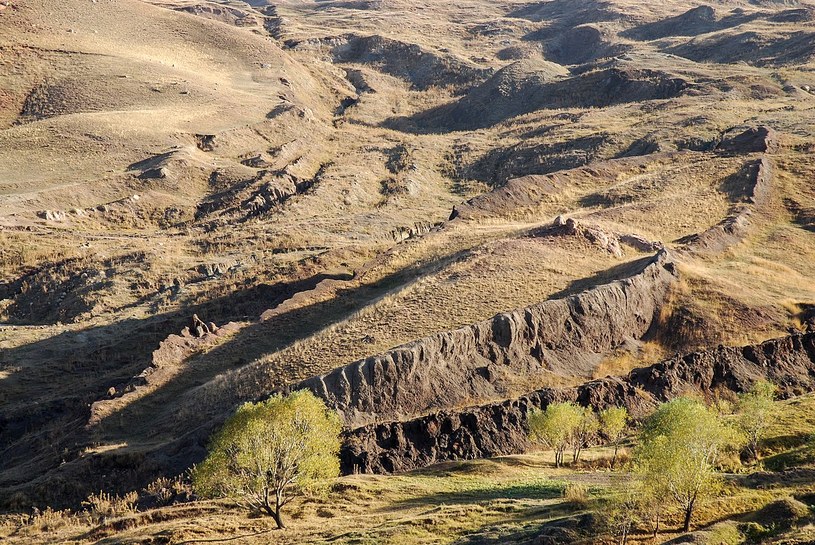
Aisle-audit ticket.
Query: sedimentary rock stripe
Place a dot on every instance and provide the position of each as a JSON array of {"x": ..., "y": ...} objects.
[
  {"x": 483, "y": 361},
  {"x": 500, "y": 428}
]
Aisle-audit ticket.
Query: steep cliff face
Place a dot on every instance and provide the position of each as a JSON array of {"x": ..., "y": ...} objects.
[
  {"x": 501, "y": 428},
  {"x": 479, "y": 362}
]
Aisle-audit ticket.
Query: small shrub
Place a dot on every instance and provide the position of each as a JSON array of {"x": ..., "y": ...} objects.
[
  {"x": 161, "y": 490},
  {"x": 50, "y": 520},
  {"x": 754, "y": 531},
  {"x": 165, "y": 491},
  {"x": 724, "y": 534},
  {"x": 103, "y": 505}
]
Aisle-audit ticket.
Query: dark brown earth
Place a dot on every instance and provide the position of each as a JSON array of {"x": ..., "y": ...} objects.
[{"x": 500, "y": 428}]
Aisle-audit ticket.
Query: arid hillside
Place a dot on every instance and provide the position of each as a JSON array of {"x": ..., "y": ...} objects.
[{"x": 418, "y": 210}]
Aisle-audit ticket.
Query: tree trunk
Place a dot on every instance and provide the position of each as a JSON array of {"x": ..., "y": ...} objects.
[
  {"x": 688, "y": 515},
  {"x": 614, "y": 458},
  {"x": 266, "y": 506},
  {"x": 278, "y": 520}
]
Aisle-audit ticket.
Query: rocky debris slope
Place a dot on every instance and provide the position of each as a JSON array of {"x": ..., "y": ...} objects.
[
  {"x": 561, "y": 337},
  {"x": 500, "y": 428}
]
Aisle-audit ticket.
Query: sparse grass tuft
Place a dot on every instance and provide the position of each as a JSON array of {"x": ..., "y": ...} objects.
[
  {"x": 102, "y": 506},
  {"x": 576, "y": 495}
]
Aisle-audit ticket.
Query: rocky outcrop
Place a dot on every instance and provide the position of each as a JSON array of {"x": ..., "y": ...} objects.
[
  {"x": 417, "y": 229},
  {"x": 223, "y": 13},
  {"x": 754, "y": 140},
  {"x": 483, "y": 361},
  {"x": 734, "y": 228},
  {"x": 261, "y": 194},
  {"x": 132, "y": 209},
  {"x": 609, "y": 241},
  {"x": 167, "y": 362},
  {"x": 500, "y": 428}
]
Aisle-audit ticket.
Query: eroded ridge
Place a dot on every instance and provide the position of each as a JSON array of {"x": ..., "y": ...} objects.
[
  {"x": 735, "y": 227},
  {"x": 485, "y": 360},
  {"x": 501, "y": 428}
]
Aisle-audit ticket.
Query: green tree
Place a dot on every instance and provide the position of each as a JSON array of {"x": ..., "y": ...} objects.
[
  {"x": 755, "y": 410},
  {"x": 585, "y": 433},
  {"x": 613, "y": 423},
  {"x": 679, "y": 447},
  {"x": 270, "y": 452},
  {"x": 555, "y": 427},
  {"x": 633, "y": 504},
  {"x": 622, "y": 510}
]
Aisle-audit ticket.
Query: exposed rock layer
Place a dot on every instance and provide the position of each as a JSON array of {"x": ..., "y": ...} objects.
[
  {"x": 734, "y": 228},
  {"x": 501, "y": 428},
  {"x": 480, "y": 362}
]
